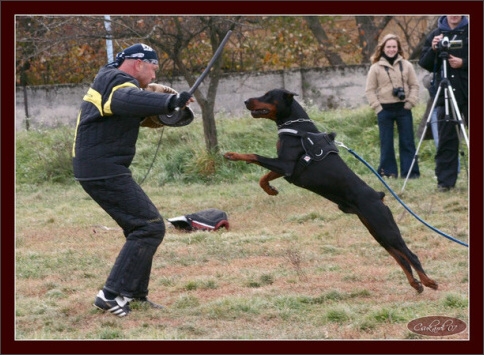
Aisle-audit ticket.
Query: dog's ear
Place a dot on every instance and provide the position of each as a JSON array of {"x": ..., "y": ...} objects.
[
  {"x": 288, "y": 96},
  {"x": 285, "y": 91}
]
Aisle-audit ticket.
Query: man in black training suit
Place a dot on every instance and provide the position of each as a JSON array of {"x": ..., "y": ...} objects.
[{"x": 108, "y": 124}]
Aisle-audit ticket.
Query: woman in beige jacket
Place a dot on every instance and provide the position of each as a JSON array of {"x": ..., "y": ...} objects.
[{"x": 392, "y": 90}]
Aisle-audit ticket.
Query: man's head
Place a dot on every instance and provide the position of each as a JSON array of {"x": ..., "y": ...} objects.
[
  {"x": 139, "y": 51},
  {"x": 454, "y": 20},
  {"x": 140, "y": 61}
]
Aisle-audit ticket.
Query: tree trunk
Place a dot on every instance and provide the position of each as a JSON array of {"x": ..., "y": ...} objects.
[
  {"x": 320, "y": 34},
  {"x": 209, "y": 127},
  {"x": 368, "y": 33},
  {"x": 207, "y": 103}
]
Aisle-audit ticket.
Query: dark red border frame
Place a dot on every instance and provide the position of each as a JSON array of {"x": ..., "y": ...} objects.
[{"x": 11, "y": 8}]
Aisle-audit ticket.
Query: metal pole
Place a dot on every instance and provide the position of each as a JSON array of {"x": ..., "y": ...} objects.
[
  {"x": 109, "y": 41},
  {"x": 26, "y": 105}
]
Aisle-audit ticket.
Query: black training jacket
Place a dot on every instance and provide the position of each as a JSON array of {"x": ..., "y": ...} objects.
[
  {"x": 108, "y": 124},
  {"x": 432, "y": 61}
]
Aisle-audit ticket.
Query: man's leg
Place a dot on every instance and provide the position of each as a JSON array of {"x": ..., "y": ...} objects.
[
  {"x": 124, "y": 200},
  {"x": 446, "y": 159},
  {"x": 406, "y": 143},
  {"x": 388, "y": 163}
]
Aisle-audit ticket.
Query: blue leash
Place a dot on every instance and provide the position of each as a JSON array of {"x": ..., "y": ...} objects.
[{"x": 398, "y": 199}]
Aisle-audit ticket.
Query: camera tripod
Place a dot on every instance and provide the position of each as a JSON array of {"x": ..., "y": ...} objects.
[{"x": 446, "y": 86}]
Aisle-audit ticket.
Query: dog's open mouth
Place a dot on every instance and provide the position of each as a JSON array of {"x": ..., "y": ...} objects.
[{"x": 259, "y": 113}]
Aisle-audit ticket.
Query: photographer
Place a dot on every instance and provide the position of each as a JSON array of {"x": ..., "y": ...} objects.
[
  {"x": 448, "y": 41},
  {"x": 392, "y": 90}
]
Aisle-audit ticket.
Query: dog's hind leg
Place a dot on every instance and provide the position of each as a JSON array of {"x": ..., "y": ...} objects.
[
  {"x": 385, "y": 230},
  {"x": 427, "y": 281},
  {"x": 404, "y": 264},
  {"x": 412, "y": 259},
  {"x": 400, "y": 247}
]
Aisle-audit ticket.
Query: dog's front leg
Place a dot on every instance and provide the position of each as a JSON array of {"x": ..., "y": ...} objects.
[
  {"x": 249, "y": 158},
  {"x": 264, "y": 183},
  {"x": 269, "y": 163}
]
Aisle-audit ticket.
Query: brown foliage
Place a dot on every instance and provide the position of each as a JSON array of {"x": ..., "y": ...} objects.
[{"x": 60, "y": 49}]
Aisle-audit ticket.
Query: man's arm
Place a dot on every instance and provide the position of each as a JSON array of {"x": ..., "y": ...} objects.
[
  {"x": 139, "y": 103},
  {"x": 428, "y": 54}
]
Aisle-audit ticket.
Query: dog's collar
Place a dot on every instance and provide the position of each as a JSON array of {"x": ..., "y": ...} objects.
[{"x": 294, "y": 121}]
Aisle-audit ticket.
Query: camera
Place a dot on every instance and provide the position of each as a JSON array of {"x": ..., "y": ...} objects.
[
  {"x": 446, "y": 44},
  {"x": 399, "y": 92}
]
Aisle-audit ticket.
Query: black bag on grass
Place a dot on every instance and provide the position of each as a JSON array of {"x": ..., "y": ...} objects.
[{"x": 208, "y": 220}]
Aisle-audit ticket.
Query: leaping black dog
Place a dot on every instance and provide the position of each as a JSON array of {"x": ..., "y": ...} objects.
[{"x": 309, "y": 159}]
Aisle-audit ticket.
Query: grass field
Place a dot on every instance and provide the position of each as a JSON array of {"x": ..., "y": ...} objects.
[{"x": 290, "y": 267}]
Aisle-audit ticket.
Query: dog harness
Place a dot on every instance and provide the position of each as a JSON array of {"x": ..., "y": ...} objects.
[{"x": 316, "y": 146}]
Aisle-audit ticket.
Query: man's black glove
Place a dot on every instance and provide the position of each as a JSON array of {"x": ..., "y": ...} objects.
[{"x": 179, "y": 100}]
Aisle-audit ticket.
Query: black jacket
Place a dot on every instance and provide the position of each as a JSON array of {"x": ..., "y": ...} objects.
[
  {"x": 108, "y": 124},
  {"x": 431, "y": 60}
]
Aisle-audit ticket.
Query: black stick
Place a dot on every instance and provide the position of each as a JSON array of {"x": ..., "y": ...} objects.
[
  {"x": 185, "y": 116},
  {"x": 210, "y": 64}
]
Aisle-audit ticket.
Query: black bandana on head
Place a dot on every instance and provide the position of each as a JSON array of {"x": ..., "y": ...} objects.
[{"x": 136, "y": 51}]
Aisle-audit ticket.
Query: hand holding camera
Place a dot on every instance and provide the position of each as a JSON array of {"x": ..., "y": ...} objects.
[{"x": 443, "y": 43}]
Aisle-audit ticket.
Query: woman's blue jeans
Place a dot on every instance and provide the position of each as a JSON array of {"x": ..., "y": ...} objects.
[{"x": 388, "y": 162}]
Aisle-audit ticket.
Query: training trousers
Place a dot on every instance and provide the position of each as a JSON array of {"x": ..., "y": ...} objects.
[{"x": 124, "y": 200}]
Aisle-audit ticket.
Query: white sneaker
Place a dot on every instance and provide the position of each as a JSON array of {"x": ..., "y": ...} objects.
[{"x": 119, "y": 306}]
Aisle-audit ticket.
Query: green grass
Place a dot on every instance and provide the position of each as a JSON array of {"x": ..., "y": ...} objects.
[
  {"x": 44, "y": 156},
  {"x": 290, "y": 267}
]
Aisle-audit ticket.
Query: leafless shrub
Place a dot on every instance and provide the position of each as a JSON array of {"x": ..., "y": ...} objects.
[{"x": 294, "y": 257}]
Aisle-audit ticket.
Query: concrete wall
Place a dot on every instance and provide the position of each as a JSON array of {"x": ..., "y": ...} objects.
[{"x": 325, "y": 88}]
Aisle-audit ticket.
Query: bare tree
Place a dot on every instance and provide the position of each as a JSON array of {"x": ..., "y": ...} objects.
[
  {"x": 416, "y": 49},
  {"x": 320, "y": 35},
  {"x": 174, "y": 36},
  {"x": 369, "y": 30},
  {"x": 59, "y": 46}
]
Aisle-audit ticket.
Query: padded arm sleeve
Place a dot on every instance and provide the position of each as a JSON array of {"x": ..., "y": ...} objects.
[{"x": 131, "y": 101}]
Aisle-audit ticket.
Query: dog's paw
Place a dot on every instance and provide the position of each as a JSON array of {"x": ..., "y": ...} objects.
[
  {"x": 230, "y": 156},
  {"x": 270, "y": 190}
]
